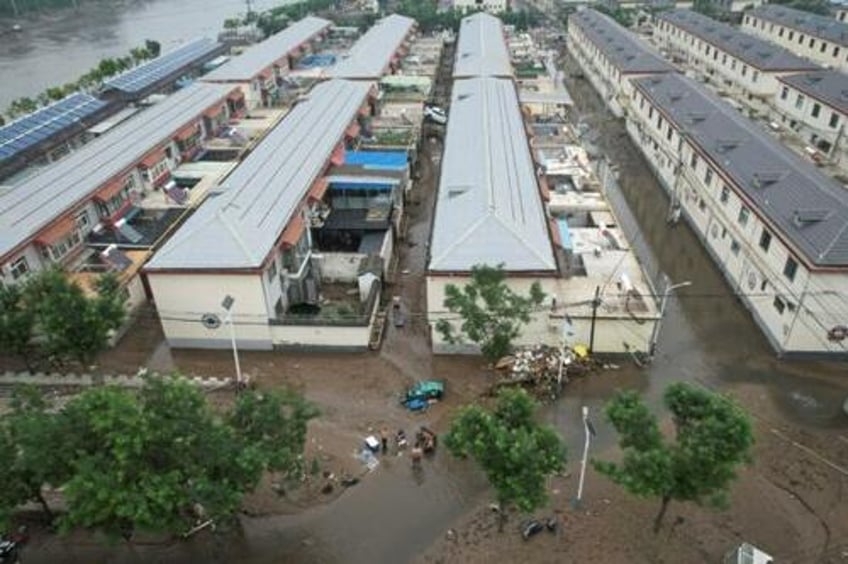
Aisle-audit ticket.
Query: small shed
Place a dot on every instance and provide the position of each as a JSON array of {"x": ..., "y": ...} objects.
[{"x": 747, "y": 553}]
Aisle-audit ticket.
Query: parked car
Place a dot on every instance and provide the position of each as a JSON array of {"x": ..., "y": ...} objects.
[
  {"x": 421, "y": 393},
  {"x": 435, "y": 114}
]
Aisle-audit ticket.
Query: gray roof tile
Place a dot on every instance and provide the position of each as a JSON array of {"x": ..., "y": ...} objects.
[
  {"x": 626, "y": 52},
  {"x": 747, "y": 48},
  {"x": 807, "y": 207},
  {"x": 823, "y": 27}
]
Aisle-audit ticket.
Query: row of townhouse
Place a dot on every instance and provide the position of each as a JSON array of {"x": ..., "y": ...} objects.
[
  {"x": 53, "y": 131},
  {"x": 819, "y": 38},
  {"x": 493, "y": 208},
  {"x": 614, "y": 56},
  {"x": 299, "y": 236},
  {"x": 769, "y": 79},
  {"x": 259, "y": 71},
  {"x": 775, "y": 225},
  {"x": 48, "y": 219}
]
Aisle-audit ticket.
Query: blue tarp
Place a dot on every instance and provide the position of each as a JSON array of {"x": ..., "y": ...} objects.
[
  {"x": 384, "y": 160},
  {"x": 313, "y": 61},
  {"x": 564, "y": 234}
]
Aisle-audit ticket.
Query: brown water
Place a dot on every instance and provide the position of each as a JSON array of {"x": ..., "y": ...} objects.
[{"x": 57, "y": 48}]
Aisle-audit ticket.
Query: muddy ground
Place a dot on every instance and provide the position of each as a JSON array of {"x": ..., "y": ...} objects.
[{"x": 789, "y": 501}]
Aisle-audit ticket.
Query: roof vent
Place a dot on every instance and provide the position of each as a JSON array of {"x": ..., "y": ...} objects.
[
  {"x": 725, "y": 145},
  {"x": 764, "y": 54},
  {"x": 675, "y": 96},
  {"x": 696, "y": 117},
  {"x": 457, "y": 191},
  {"x": 765, "y": 179},
  {"x": 808, "y": 216},
  {"x": 462, "y": 97}
]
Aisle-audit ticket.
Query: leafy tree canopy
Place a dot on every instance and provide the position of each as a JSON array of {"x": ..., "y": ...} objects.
[
  {"x": 492, "y": 314},
  {"x": 515, "y": 452},
  {"x": 713, "y": 437}
]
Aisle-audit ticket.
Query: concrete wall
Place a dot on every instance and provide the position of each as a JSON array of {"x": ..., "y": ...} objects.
[
  {"x": 182, "y": 299},
  {"x": 821, "y": 51},
  {"x": 613, "y": 333},
  {"x": 340, "y": 267}
]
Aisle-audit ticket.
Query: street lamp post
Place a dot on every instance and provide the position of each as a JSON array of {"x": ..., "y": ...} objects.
[
  {"x": 663, "y": 302},
  {"x": 589, "y": 432},
  {"x": 227, "y": 304}
]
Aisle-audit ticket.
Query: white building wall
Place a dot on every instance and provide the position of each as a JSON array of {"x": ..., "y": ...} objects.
[
  {"x": 612, "y": 332},
  {"x": 797, "y": 110},
  {"x": 802, "y": 44},
  {"x": 792, "y": 316},
  {"x": 491, "y": 6},
  {"x": 182, "y": 299}
]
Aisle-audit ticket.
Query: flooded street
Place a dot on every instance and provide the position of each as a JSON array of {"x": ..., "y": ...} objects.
[
  {"x": 394, "y": 515},
  {"x": 57, "y": 48}
]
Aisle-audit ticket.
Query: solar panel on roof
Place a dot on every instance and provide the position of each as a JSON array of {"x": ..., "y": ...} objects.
[
  {"x": 45, "y": 122},
  {"x": 141, "y": 77}
]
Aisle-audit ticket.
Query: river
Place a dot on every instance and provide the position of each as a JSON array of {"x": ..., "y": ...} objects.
[{"x": 57, "y": 48}]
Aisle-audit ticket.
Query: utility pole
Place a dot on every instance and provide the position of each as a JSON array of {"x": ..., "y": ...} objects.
[
  {"x": 589, "y": 432},
  {"x": 595, "y": 303},
  {"x": 656, "y": 332}
]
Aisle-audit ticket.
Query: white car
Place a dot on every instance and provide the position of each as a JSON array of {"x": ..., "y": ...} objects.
[{"x": 435, "y": 114}]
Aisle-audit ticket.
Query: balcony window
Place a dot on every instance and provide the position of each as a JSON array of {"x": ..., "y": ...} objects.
[
  {"x": 790, "y": 269},
  {"x": 784, "y": 93},
  {"x": 799, "y": 101},
  {"x": 725, "y": 194},
  {"x": 19, "y": 268},
  {"x": 816, "y": 110},
  {"x": 744, "y": 214},
  {"x": 834, "y": 120},
  {"x": 765, "y": 240}
]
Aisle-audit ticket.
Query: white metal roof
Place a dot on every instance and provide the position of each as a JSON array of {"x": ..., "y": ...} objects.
[
  {"x": 239, "y": 224},
  {"x": 482, "y": 49},
  {"x": 488, "y": 209},
  {"x": 370, "y": 56},
  {"x": 259, "y": 57},
  {"x": 30, "y": 206}
]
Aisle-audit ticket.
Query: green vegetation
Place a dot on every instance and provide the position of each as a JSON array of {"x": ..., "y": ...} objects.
[
  {"x": 492, "y": 314},
  {"x": 821, "y": 7},
  {"x": 430, "y": 18},
  {"x": 624, "y": 16},
  {"x": 516, "y": 453},
  {"x": 106, "y": 69},
  {"x": 48, "y": 318},
  {"x": 712, "y": 438},
  {"x": 158, "y": 460}
]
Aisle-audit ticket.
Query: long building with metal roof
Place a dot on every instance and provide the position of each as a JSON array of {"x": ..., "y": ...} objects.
[
  {"x": 376, "y": 52},
  {"x": 31, "y": 137},
  {"x": 819, "y": 38},
  {"x": 162, "y": 71},
  {"x": 481, "y": 49},
  {"x": 240, "y": 225},
  {"x": 34, "y": 204},
  {"x": 489, "y": 207},
  {"x": 256, "y": 69}
]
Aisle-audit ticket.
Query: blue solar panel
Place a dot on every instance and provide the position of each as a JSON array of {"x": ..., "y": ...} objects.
[
  {"x": 139, "y": 78},
  {"x": 45, "y": 122}
]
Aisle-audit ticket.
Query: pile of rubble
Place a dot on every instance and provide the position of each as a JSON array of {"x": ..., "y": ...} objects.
[{"x": 542, "y": 369}]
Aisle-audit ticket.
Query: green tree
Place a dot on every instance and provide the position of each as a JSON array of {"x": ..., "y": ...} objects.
[
  {"x": 713, "y": 437},
  {"x": 70, "y": 324},
  {"x": 514, "y": 451},
  {"x": 492, "y": 314},
  {"x": 154, "y": 48},
  {"x": 17, "y": 322},
  {"x": 274, "y": 423}
]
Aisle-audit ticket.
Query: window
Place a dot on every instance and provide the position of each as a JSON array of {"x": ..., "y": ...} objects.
[
  {"x": 651, "y": 112},
  {"x": 790, "y": 268},
  {"x": 834, "y": 120},
  {"x": 836, "y": 51},
  {"x": 725, "y": 194},
  {"x": 734, "y": 247},
  {"x": 816, "y": 110},
  {"x": 799, "y": 101},
  {"x": 669, "y": 134},
  {"x": 724, "y": 59},
  {"x": 708, "y": 50},
  {"x": 702, "y": 205},
  {"x": 708, "y": 176},
  {"x": 784, "y": 93},
  {"x": 744, "y": 214},
  {"x": 82, "y": 220},
  {"x": 693, "y": 162},
  {"x": 800, "y": 39},
  {"x": 744, "y": 70},
  {"x": 823, "y": 47},
  {"x": 791, "y": 35},
  {"x": 733, "y": 65},
  {"x": 765, "y": 240},
  {"x": 780, "y": 33},
  {"x": 19, "y": 268},
  {"x": 659, "y": 122},
  {"x": 812, "y": 42},
  {"x": 779, "y": 305},
  {"x": 754, "y": 76},
  {"x": 642, "y": 103}
]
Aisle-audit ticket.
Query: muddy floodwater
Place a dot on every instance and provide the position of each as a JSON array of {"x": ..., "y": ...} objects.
[
  {"x": 57, "y": 48},
  {"x": 394, "y": 514}
]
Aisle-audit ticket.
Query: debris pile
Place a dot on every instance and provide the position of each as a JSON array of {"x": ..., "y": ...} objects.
[{"x": 543, "y": 369}]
